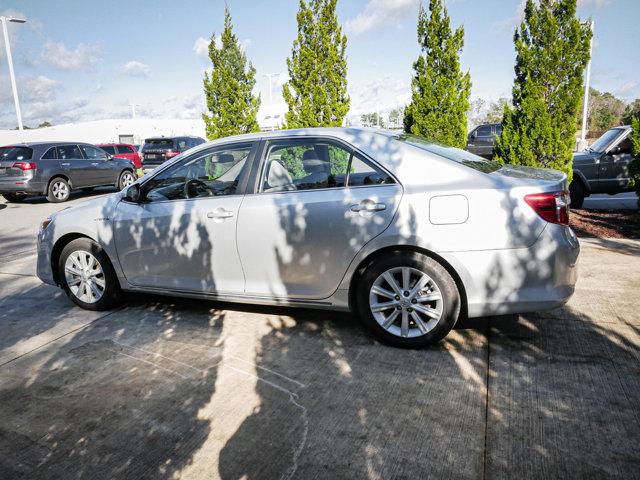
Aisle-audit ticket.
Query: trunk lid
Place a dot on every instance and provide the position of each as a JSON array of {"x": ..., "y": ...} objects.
[{"x": 544, "y": 179}]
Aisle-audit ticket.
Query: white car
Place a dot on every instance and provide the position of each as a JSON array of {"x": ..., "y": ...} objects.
[{"x": 409, "y": 234}]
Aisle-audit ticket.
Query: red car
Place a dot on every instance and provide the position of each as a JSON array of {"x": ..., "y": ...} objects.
[{"x": 122, "y": 150}]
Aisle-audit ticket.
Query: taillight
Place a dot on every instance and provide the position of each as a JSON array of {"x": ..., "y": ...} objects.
[
  {"x": 552, "y": 207},
  {"x": 171, "y": 154},
  {"x": 25, "y": 165}
]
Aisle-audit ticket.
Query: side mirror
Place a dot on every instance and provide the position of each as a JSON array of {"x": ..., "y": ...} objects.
[
  {"x": 615, "y": 150},
  {"x": 109, "y": 157},
  {"x": 133, "y": 194}
]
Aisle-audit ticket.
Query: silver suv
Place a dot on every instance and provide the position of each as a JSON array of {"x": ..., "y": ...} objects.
[{"x": 55, "y": 169}]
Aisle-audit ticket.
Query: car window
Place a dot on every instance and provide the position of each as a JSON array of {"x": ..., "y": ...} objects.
[
  {"x": 625, "y": 146},
  {"x": 182, "y": 145},
  {"x": 109, "y": 149},
  {"x": 484, "y": 131},
  {"x": 68, "y": 152},
  {"x": 15, "y": 153},
  {"x": 362, "y": 172},
  {"x": 124, "y": 149},
  {"x": 211, "y": 173},
  {"x": 305, "y": 165},
  {"x": 157, "y": 143},
  {"x": 601, "y": 144},
  {"x": 50, "y": 154},
  {"x": 93, "y": 153}
]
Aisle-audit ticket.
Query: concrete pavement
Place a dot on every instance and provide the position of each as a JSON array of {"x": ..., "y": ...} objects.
[
  {"x": 621, "y": 201},
  {"x": 162, "y": 388}
]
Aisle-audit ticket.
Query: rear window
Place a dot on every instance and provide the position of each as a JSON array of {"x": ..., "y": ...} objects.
[
  {"x": 15, "y": 154},
  {"x": 451, "y": 153},
  {"x": 109, "y": 149},
  {"x": 125, "y": 149},
  {"x": 155, "y": 143}
]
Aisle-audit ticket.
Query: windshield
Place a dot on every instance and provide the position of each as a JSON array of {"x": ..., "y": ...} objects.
[
  {"x": 601, "y": 144},
  {"x": 157, "y": 143},
  {"x": 13, "y": 154},
  {"x": 451, "y": 153}
]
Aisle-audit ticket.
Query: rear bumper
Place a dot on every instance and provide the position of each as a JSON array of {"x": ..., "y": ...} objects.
[
  {"x": 520, "y": 280},
  {"x": 17, "y": 185}
]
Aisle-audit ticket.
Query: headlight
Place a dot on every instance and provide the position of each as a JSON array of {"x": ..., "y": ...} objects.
[{"x": 45, "y": 223}]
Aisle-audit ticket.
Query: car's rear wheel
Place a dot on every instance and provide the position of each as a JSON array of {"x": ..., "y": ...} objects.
[
  {"x": 577, "y": 193},
  {"x": 14, "y": 197},
  {"x": 87, "y": 276},
  {"x": 59, "y": 190},
  {"x": 408, "y": 300},
  {"x": 126, "y": 179}
]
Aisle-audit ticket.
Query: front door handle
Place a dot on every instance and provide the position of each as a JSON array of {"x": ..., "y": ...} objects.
[
  {"x": 219, "y": 213},
  {"x": 94, "y": 164},
  {"x": 368, "y": 207},
  {"x": 65, "y": 164}
]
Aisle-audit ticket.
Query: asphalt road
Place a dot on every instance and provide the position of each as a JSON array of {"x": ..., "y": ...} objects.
[{"x": 162, "y": 388}]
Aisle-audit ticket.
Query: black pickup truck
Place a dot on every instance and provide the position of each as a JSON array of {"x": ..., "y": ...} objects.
[{"x": 602, "y": 168}]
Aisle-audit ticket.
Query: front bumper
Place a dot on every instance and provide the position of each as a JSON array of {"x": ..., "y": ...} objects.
[
  {"x": 43, "y": 264},
  {"x": 520, "y": 280}
]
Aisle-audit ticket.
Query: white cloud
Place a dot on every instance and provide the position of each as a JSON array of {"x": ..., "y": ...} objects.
[
  {"x": 627, "y": 88},
  {"x": 30, "y": 89},
  {"x": 381, "y": 13},
  {"x": 135, "y": 68},
  {"x": 380, "y": 94},
  {"x": 510, "y": 23},
  {"x": 84, "y": 57}
]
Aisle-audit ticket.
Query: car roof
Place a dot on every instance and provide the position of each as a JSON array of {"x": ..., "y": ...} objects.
[{"x": 43, "y": 144}]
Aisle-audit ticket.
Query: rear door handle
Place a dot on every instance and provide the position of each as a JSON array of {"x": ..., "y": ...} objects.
[
  {"x": 94, "y": 164},
  {"x": 368, "y": 207},
  {"x": 65, "y": 164},
  {"x": 220, "y": 213}
]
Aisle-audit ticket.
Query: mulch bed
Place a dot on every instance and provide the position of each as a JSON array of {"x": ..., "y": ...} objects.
[{"x": 606, "y": 223}]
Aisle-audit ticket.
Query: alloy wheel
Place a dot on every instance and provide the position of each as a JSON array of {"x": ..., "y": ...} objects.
[
  {"x": 84, "y": 276},
  {"x": 406, "y": 302},
  {"x": 127, "y": 179},
  {"x": 60, "y": 190}
]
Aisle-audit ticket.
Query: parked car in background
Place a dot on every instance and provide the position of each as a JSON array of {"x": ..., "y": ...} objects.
[
  {"x": 407, "y": 233},
  {"x": 123, "y": 150},
  {"x": 603, "y": 167},
  {"x": 158, "y": 150},
  {"x": 55, "y": 169},
  {"x": 481, "y": 140}
]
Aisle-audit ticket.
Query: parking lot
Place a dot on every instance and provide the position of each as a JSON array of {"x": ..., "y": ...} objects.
[{"x": 166, "y": 388}]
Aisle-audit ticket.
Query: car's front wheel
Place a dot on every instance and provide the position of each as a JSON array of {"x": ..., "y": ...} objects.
[
  {"x": 408, "y": 300},
  {"x": 87, "y": 276}
]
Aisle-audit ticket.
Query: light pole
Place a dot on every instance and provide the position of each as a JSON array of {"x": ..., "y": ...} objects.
[
  {"x": 585, "y": 102},
  {"x": 12, "y": 76},
  {"x": 133, "y": 109}
]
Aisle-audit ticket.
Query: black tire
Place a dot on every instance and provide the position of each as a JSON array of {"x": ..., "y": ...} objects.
[
  {"x": 112, "y": 292},
  {"x": 122, "y": 179},
  {"x": 450, "y": 298},
  {"x": 14, "y": 197},
  {"x": 55, "y": 186},
  {"x": 577, "y": 194}
]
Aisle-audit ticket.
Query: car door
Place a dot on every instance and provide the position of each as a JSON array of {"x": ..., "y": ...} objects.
[
  {"x": 182, "y": 236},
  {"x": 75, "y": 166},
  {"x": 102, "y": 170},
  {"x": 308, "y": 217},
  {"x": 126, "y": 151},
  {"x": 614, "y": 166}
]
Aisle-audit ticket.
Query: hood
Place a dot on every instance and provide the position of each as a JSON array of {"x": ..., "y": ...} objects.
[{"x": 97, "y": 208}]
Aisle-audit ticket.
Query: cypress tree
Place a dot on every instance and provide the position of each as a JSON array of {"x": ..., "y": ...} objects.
[
  {"x": 552, "y": 48},
  {"x": 316, "y": 92},
  {"x": 440, "y": 91},
  {"x": 228, "y": 90}
]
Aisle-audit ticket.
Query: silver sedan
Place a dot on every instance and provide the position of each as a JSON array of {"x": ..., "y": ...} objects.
[{"x": 408, "y": 234}]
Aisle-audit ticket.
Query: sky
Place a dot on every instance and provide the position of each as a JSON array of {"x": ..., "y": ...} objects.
[{"x": 81, "y": 60}]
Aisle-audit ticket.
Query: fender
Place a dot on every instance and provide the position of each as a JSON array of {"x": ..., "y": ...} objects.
[{"x": 585, "y": 182}]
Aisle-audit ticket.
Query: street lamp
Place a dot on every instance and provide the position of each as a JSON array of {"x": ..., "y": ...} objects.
[
  {"x": 12, "y": 76},
  {"x": 270, "y": 76}
]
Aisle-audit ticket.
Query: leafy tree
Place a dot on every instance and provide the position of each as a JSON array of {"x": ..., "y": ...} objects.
[
  {"x": 316, "y": 92},
  {"x": 496, "y": 110},
  {"x": 440, "y": 91},
  {"x": 372, "y": 120},
  {"x": 228, "y": 89},
  {"x": 45, "y": 124},
  {"x": 552, "y": 49},
  {"x": 396, "y": 117},
  {"x": 603, "y": 112},
  {"x": 634, "y": 166},
  {"x": 632, "y": 110}
]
